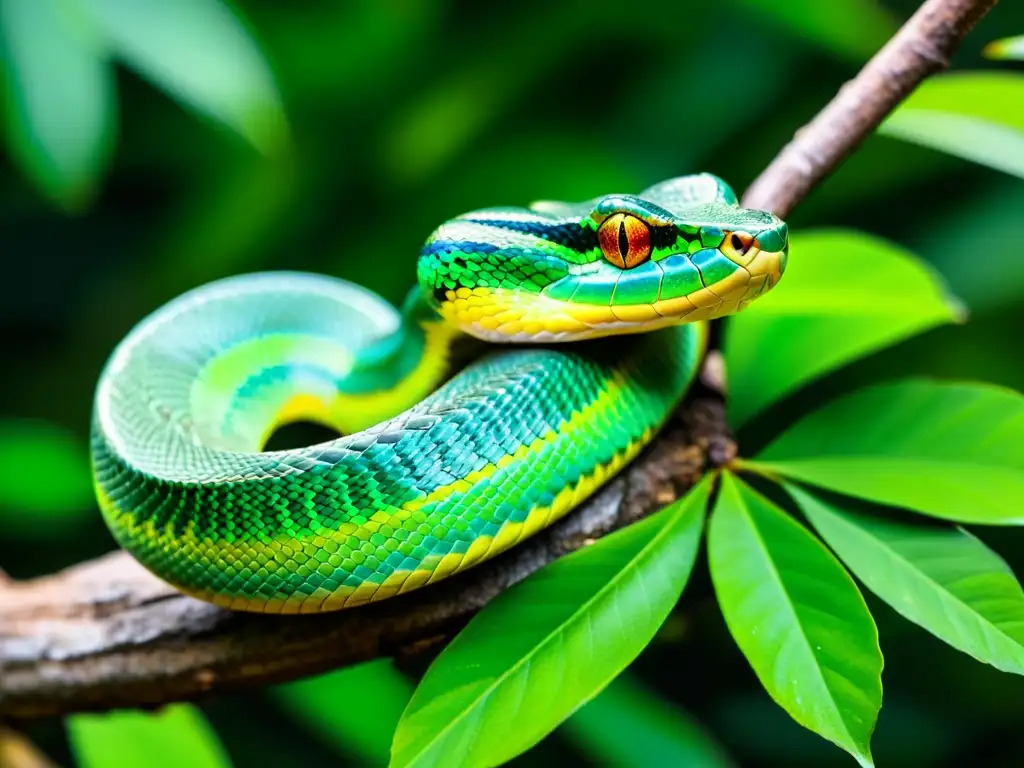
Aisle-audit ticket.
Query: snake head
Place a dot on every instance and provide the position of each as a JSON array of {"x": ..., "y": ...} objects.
[{"x": 680, "y": 252}]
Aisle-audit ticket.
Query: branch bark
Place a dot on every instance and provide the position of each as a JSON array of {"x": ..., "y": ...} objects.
[
  {"x": 107, "y": 634},
  {"x": 922, "y": 47}
]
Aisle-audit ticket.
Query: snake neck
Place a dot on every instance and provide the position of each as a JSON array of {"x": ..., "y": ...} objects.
[{"x": 401, "y": 369}]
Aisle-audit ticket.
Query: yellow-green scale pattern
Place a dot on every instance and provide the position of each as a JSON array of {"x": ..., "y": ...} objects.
[
  {"x": 429, "y": 478},
  {"x": 510, "y": 444}
]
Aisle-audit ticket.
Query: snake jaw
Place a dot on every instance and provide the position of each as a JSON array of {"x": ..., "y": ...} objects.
[
  {"x": 717, "y": 287},
  {"x": 510, "y": 316}
]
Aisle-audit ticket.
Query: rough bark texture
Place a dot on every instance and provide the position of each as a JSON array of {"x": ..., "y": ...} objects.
[{"x": 107, "y": 634}]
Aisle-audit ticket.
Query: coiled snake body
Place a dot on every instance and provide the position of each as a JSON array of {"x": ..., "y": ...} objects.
[{"x": 428, "y": 478}]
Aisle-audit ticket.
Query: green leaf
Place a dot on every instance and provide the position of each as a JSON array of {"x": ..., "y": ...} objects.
[
  {"x": 951, "y": 450},
  {"x": 1007, "y": 48},
  {"x": 550, "y": 643},
  {"x": 828, "y": 310},
  {"x": 178, "y": 735},
  {"x": 797, "y": 616},
  {"x": 628, "y": 726},
  {"x": 940, "y": 577},
  {"x": 854, "y": 29},
  {"x": 978, "y": 116},
  {"x": 201, "y": 53},
  {"x": 355, "y": 709},
  {"x": 59, "y": 97},
  {"x": 46, "y": 472},
  {"x": 971, "y": 138}
]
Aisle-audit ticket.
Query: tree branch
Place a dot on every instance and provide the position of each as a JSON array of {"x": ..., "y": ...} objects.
[
  {"x": 922, "y": 47},
  {"x": 107, "y": 634}
]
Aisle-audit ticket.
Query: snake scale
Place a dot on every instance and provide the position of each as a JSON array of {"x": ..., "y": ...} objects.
[{"x": 433, "y": 472}]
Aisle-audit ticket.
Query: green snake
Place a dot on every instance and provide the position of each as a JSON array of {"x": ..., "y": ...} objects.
[{"x": 451, "y": 450}]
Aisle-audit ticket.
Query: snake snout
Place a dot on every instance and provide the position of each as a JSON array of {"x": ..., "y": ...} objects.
[
  {"x": 774, "y": 240},
  {"x": 763, "y": 264},
  {"x": 775, "y": 237}
]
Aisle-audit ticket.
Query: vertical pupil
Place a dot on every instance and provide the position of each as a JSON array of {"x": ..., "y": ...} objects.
[{"x": 625, "y": 240}]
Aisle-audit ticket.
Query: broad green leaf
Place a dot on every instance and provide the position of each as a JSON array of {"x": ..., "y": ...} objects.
[
  {"x": 1007, "y": 48},
  {"x": 989, "y": 95},
  {"x": 59, "y": 97},
  {"x": 797, "y": 616},
  {"x": 550, "y": 643},
  {"x": 628, "y": 726},
  {"x": 46, "y": 472},
  {"x": 178, "y": 735},
  {"x": 951, "y": 450},
  {"x": 854, "y": 29},
  {"x": 355, "y": 709},
  {"x": 844, "y": 295},
  {"x": 200, "y": 53},
  {"x": 940, "y": 577},
  {"x": 978, "y": 116},
  {"x": 971, "y": 138}
]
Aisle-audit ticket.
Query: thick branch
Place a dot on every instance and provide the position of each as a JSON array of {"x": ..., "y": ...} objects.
[{"x": 107, "y": 634}]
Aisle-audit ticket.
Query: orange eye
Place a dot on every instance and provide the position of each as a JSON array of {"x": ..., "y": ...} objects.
[
  {"x": 625, "y": 240},
  {"x": 736, "y": 244}
]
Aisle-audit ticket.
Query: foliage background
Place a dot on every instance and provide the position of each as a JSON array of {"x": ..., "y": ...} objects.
[{"x": 401, "y": 113}]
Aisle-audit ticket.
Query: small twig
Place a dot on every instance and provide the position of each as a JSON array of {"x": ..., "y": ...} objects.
[
  {"x": 107, "y": 634},
  {"x": 922, "y": 47}
]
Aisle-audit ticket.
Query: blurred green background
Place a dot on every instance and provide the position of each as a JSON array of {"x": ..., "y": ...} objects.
[{"x": 168, "y": 145}]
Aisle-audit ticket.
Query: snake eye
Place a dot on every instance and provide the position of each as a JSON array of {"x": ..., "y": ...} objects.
[
  {"x": 625, "y": 240},
  {"x": 736, "y": 244}
]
